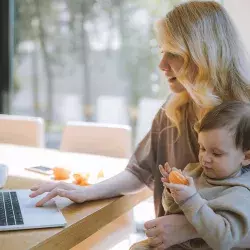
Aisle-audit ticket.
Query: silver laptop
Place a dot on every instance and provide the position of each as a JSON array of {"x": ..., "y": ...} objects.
[{"x": 18, "y": 211}]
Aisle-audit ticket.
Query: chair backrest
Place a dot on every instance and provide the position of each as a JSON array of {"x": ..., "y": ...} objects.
[
  {"x": 147, "y": 109},
  {"x": 112, "y": 109},
  {"x": 22, "y": 130},
  {"x": 96, "y": 138}
]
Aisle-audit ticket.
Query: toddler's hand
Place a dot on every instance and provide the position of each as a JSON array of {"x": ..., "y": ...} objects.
[
  {"x": 165, "y": 171},
  {"x": 180, "y": 192}
]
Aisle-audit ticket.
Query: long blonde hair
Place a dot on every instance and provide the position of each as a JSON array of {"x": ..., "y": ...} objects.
[{"x": 202, "y": 34}]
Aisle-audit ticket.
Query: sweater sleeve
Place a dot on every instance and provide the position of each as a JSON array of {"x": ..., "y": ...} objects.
[{"x": 221, "y": 222}]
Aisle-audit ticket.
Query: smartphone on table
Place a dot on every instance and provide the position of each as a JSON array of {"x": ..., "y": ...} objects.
[{"x": 41, "y": 169}]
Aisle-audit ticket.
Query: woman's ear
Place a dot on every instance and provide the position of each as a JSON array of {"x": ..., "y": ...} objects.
[{"x": 246, "y": 160}]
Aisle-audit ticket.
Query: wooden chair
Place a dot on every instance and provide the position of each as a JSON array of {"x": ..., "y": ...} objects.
[
  {"x": 96, "y": 138},
  {"x": 22, "y": 130}
]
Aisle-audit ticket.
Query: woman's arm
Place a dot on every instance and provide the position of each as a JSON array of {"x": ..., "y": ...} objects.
[{"x": 121, "y": 184}]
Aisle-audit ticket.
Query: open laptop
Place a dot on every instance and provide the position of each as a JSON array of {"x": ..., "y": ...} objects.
[{"x": 18, "y": 211}]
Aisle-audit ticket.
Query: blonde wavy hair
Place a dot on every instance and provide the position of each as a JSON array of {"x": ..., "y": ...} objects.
[{"x": 202, "y": 34}]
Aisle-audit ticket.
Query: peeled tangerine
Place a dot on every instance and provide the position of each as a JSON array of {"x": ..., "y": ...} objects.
[
  {"x": 61, "y": 173},
  {"x": 177, "y": 178},
  {"x": 81, "y": 179}
]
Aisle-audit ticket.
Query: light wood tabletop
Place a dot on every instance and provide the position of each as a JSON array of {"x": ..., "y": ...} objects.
[{"x": 82, "y": 219}]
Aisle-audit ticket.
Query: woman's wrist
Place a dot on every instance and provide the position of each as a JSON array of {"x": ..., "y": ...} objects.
[{"x": 91, "y": 193}]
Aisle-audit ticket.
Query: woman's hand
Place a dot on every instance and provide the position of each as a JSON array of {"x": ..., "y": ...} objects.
[
  {"x": 180, "y": 192},
  {"x": 169, "y": 230},
  {"x": 63, "y": 189}
]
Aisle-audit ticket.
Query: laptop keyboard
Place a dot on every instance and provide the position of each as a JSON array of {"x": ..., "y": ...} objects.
[{"x": 10, "y": 212}]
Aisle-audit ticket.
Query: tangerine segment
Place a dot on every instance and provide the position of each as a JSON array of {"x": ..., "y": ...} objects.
[
  {"x": 177, "y": 178},
  {"x": 81, "y": 179},
  {"x": 61, "y": 173},
  {"x": 100, "y": 174}
]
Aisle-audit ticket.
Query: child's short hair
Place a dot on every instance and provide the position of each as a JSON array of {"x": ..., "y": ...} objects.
[{"x": 233, "y": 116}]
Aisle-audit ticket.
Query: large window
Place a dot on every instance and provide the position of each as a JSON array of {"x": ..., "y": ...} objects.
[{"x": 68, "y": 54}]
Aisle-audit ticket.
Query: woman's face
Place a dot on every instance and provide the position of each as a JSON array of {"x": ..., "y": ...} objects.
[{"x": 171, "y": 64}]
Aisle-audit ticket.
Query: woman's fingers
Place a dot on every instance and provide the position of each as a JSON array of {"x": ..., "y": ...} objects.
[
  {"x": 160, "y": 247},
  {"x": 150, "y": 224},
  {"x": 49, "y": 186},
  {"x": 152, "y": 232},
  {"x": 155, "y": 241},
  {"x": 40, "y": 189},
  {"x": 48, "y": 197},
  {"x": 76, "y": 195},
  {"x": 34, "y": 188},
  {"x": 153, "y": 236}
]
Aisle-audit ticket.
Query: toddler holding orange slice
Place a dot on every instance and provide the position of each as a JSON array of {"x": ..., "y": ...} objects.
[
  {"x": 214, "y": 193},
  {"x": 177, "y": 178}
]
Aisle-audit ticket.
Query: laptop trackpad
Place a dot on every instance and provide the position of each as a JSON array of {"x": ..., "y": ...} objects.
[{"x": 31, "y": 216}]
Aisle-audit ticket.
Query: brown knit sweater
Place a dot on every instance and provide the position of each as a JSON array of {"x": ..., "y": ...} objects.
[{"x": 161, "y": 145}]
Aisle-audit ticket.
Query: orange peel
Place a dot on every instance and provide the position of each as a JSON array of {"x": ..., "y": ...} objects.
[{"x": 81, "y": 179}]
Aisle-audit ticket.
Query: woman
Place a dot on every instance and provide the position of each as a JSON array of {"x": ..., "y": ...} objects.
[{"x": 204, "y": 64}]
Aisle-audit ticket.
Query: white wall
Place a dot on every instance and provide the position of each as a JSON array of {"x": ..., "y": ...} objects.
[{"x": 239, "y": 11}]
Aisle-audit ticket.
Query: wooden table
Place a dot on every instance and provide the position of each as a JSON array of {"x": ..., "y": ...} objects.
[{"x": 82, "y": 219}]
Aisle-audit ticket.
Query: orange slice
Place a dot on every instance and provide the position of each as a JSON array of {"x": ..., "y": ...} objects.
[
  {"x": 100, "y": 174},
  {"x": 81, "y": 179},
  {"x": 177, "y": 178},
  {"x": 61, "y": 173}
]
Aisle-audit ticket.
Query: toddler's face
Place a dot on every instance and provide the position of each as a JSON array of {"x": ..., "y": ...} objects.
[{"x": 218, "y": 155}]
